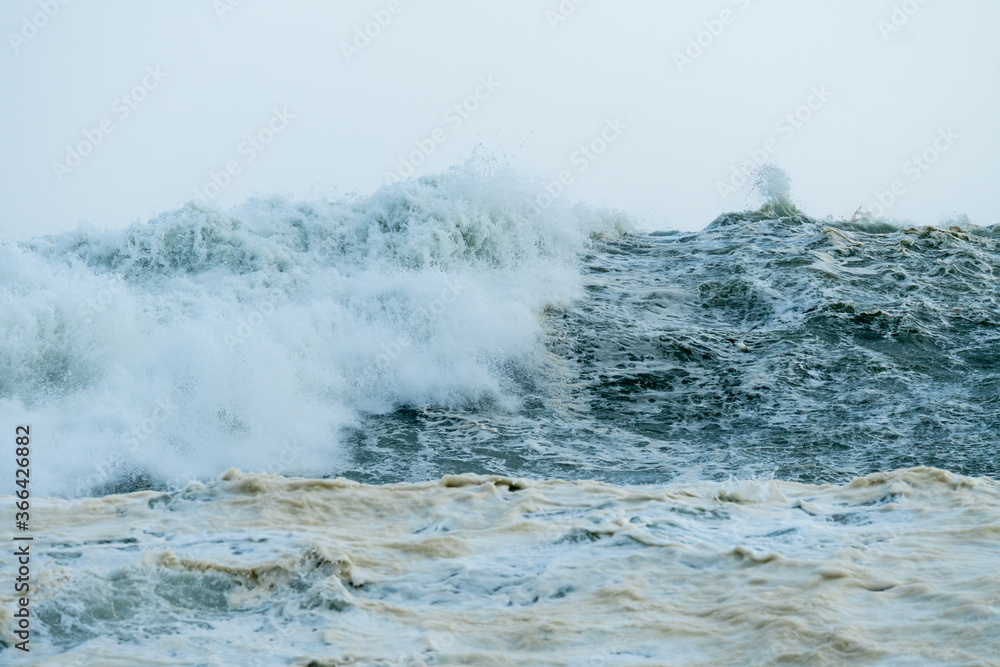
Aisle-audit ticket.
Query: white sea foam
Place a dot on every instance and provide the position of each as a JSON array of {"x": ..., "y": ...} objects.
[{"x": 204, "y": 339}]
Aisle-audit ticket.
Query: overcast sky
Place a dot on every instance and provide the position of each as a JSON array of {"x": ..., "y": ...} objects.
[{"x": 295, "y": 99}]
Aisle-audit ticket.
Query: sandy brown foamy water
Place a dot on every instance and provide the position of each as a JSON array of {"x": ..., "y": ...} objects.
[{"x": 894, "y": 568}]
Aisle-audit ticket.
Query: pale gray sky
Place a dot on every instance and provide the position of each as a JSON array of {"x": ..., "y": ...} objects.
[{"x": 200, "y": 76}]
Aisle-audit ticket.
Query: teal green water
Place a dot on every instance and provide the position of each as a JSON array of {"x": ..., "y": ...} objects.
[{"x": 869, "y": 347}]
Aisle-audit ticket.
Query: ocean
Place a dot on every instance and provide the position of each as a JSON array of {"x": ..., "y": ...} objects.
[{"x": 442, "y": 425}]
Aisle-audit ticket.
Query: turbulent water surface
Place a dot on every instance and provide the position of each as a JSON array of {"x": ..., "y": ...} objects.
[{"x": 483, "y": 433}]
